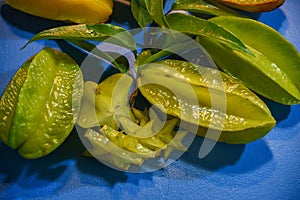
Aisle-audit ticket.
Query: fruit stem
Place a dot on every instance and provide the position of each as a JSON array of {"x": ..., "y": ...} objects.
[{"x": 125, "y": 2}]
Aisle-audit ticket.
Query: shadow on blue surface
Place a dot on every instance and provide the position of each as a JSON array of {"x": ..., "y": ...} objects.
[
  {"x": 279, "y": 111},
  {"x": 224, "y": 155},
  {"x": 59, "y": 164},
  {"x": 15, "y": 169},
  {"x": 221, "y": 155}
]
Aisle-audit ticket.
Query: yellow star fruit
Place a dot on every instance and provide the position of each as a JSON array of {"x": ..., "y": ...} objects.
[{"x": 78, "y": 11}]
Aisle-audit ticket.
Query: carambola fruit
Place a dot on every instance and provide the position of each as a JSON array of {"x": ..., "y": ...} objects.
[{"x": 39, "y": 107}]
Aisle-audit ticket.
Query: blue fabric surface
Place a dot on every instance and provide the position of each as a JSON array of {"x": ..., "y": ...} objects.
[{"x": 265, "y": 169}]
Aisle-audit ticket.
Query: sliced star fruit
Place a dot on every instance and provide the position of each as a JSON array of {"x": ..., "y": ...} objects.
[
  {"x": 120, "y": 150},
  {"x": 126, "y": 136}
]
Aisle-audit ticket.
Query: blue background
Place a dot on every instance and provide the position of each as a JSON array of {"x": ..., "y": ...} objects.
[{"x": 268, "y": 168}]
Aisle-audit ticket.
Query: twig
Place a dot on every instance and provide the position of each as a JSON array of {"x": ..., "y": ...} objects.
[{"x": 125, "y": 2}]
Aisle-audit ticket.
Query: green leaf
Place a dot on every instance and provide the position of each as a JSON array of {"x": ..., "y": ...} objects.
[
  {"x": 91, "y": 48},
  {"x": 156, "y": 11},
  {"x": 167, "y": 51},
  {"x": 140, "y": 13},
  {"x": 273, "y": 71},
  {"x": 204, "y": 7},
  {"x": 195, "y": 26},
  {"x": 142, "y": 57},
  {"x": 96, "y": 32}
]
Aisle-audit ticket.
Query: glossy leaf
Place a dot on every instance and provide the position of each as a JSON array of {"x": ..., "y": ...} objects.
[
  {"x": 204, "y": 7},
  {"x": 273, "y": 71},
  {"x": 96, "y": 32},
  {"x": 93, "y": 50},
  {"x": 195, "y": 26},
  {"x": 140, "y": 13},
  {"x": 156, "y": 11}
]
